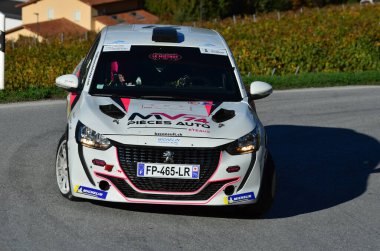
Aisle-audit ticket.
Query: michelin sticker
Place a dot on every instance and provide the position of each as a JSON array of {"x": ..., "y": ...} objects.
[
  {"x": 116, "y": 47},
  {"x": 90, "y": 192},
  {"x": 222, "y": 52},
  {"x": 239, "y": 198}
]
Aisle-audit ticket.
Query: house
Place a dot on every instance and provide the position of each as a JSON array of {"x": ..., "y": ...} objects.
[
  {"x": 11, "y": 12},
  {"x": 45, "y": 18}
]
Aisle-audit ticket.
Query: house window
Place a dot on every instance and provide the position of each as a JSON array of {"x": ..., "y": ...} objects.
[
  {"x": 77, "y": 15},
  {"x": 50, "y": 14}
]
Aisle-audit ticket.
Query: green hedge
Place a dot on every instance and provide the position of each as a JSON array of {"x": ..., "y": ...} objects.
[
  {"x": 332, "y": 39},
  {"x": 29, "y": 64},
  {"x": 278, "y": 82},
  {"x": 324, "y": 79}
]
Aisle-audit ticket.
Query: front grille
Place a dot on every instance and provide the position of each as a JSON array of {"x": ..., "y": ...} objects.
[
  {"x": 129, "y": 192},
  {"x": 207, "y": 158}
]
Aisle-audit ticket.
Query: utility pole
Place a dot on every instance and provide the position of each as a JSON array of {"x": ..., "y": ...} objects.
[
  {"x": 200, "y": 11},
  {"x": 38, "y": 24},
  {"x": 2, "y": 49}
]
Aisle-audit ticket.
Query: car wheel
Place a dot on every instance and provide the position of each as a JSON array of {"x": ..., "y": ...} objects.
[
  {"x": 62, "y": 169},
  {"x": 267, "y": 191}
]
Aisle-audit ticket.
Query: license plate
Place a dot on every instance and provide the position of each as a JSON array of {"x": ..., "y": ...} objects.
[{"x": 175, "y": 171}]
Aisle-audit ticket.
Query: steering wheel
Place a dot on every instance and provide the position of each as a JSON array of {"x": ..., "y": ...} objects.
[{"x": 200, "y": 80}]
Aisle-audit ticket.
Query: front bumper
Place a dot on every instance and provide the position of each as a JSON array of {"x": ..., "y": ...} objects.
[{"x": 86, "y": 177}]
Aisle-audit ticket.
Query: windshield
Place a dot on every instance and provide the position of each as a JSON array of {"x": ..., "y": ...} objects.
[{"x": 165, "y": 73}]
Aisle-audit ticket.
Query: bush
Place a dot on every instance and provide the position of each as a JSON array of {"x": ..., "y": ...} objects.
[
  {"x": 333, "y": 39},
  {"x": 29, "y": 64}
]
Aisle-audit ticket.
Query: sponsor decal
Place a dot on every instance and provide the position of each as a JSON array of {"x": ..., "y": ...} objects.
[
  {"x": 140, "y": 169},
  {"x": 171, "y": 141},
  {"x": 165, "y": 56},
  {"x": 116, "y": 47},
  {"x": 118, "y": 42},
  {"x": 198, "y": 130},
  {"x": 159, "y": 118},
  {"x": 164, "y": 134},
  {"x": 195, "y": 174},
  {"x": 200, "y": 102},
  {"x": 92, "y": 70},
  {"x": 213, "y": 51},
  {"x": 176, "y": 107},
  {"x": 239, "y": 198},
  {"x": 90, "y": 192}
]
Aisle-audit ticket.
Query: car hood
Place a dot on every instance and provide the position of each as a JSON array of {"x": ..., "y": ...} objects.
[{"x": 142, "y": 117}]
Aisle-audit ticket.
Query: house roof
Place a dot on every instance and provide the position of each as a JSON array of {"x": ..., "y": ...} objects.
[
  {"x": 89, "y": 2},
  {"x": 130, "y": 17},
  {"x": 97, "y": 2},
  {"x": 14, "y": 29},
  {"x": 106, "y": 20},
  {"x": 26, "y": 3},
  {"x": 52, "y": 28},
  {"x": 55, "y": 27}
]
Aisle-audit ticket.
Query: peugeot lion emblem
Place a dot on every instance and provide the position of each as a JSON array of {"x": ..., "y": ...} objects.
[{"x": 168, "y": 156}]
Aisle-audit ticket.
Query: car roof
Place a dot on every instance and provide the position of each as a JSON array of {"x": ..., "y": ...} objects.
[{"x": 140, "y": 34}]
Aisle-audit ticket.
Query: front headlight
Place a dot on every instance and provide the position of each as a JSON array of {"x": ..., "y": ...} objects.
[
  {"x": 249, "y": 143},
  {"x": 90, "y": 138}
]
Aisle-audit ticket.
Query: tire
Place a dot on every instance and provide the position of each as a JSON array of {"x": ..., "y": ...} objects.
[
  {"x": 62, "y": 169},
  {"x": 266, "y": 193}
]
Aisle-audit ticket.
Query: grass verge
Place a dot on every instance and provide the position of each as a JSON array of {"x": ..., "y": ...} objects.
[
  {"x": 31, "y": 94},
  {"x": 305, "y": 80},
  {"x": 309, "y": 80}
]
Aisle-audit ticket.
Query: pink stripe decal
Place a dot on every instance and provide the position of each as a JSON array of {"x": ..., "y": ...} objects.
[
  {"x": 233, "y": 181},
  {"x": 110, "y": 175},
  {"x": 174, "y": 193},
  {"x": 72, "y": 98},
  {"x": 126, "y": 102},
  {"x": 208, "y": 107}
]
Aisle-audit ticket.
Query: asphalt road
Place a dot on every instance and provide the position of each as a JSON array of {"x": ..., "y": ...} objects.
[{"x": 326, "y": 147}]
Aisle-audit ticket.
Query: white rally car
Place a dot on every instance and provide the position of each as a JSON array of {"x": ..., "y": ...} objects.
[{"x": 159, "y": 115}]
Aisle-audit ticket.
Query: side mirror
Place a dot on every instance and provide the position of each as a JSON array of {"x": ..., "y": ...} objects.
[
  {"x": 69, "y": 81},
  {"x": 260, "y": 90}
]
